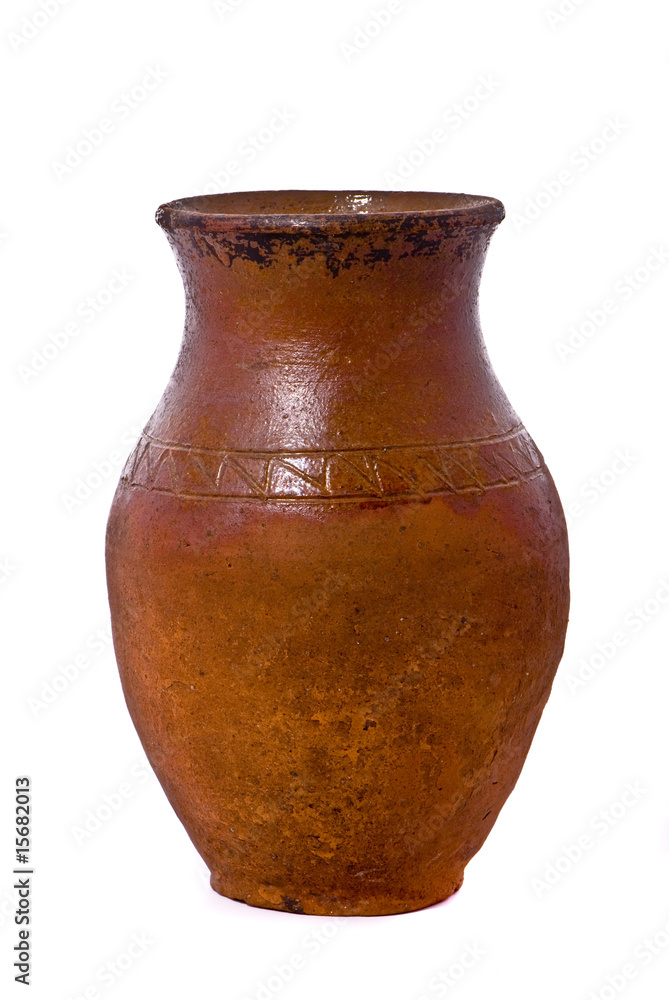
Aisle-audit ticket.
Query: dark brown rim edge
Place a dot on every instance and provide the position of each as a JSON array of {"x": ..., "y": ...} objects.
[{"x": 179, "y": 214}]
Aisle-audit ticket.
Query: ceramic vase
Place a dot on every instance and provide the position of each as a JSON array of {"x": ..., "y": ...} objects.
[{"x": 337, "y": 563}]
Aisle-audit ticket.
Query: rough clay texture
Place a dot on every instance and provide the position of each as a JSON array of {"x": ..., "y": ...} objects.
[{"x": 337, "y": 564}]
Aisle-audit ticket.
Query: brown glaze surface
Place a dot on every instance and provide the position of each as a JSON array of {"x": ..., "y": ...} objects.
[{"x": 337, "y": 564}]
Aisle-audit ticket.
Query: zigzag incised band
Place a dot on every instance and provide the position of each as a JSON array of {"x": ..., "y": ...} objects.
[{"x": 396, "y": 471}]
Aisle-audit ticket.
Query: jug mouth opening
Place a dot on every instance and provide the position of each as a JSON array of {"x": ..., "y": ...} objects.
[{"x": 267, "y": 210}]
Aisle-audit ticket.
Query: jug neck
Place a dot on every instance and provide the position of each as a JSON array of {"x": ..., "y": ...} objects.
[{"x": 331, "y": 327}]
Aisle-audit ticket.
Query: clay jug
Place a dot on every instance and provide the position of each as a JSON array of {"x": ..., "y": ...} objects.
[{"x": 337, "y": 564}]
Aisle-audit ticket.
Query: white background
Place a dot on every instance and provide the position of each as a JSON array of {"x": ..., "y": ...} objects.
[{"x": 550, "y": 927}]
